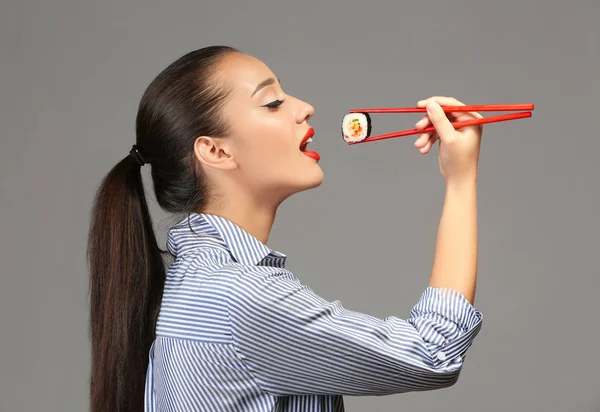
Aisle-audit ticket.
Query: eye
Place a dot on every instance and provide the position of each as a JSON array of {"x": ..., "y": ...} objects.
[{"x": 274, "y": 104}]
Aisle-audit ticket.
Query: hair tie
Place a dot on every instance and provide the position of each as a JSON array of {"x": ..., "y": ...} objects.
[{"x": 135, "y": 153}]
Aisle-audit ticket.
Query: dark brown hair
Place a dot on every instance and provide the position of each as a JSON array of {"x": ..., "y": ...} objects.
[{"x": 127, "y": 270}]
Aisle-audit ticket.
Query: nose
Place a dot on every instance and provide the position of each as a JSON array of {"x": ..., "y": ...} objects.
[{"x": 305, "y": 112}]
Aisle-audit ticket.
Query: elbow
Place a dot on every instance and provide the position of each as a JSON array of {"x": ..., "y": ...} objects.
[
  {"x": 449, "y": 379},
  {"x": 440, "y": 379},
  {"x": 441, "y": 374}
]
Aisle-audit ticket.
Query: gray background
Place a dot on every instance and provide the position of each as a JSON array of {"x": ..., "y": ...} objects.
[{"x": 72, "y": 73}]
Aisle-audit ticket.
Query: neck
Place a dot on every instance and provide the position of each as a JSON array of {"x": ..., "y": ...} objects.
[{"x": 255, "y": 218}]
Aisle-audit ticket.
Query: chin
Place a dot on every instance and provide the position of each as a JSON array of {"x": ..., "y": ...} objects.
[
  {"x": 316, "y": 178},
  {"x": 310, "y": 181}
]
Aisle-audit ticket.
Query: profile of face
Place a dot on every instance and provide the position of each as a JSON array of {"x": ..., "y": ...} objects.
[{"x": 263, "y": 156}]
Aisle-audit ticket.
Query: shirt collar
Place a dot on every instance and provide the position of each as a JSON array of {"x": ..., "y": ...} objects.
[{"x": 200, "y": 229}]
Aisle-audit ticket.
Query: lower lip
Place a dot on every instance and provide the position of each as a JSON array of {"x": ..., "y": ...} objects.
[{"x": 313, "y": 155}]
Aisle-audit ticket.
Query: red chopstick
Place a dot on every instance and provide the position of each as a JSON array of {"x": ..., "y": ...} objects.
[
  {"x": 477, "y": 108},
  {"x": 456, "y": 125}
]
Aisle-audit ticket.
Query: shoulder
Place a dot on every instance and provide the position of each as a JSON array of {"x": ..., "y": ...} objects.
[
  {"x": 248, "y": 275},
  {"x": 267, "y": 287}
]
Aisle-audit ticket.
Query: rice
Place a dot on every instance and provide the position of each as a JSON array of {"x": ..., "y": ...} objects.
[{"x": 356, "y": 127}]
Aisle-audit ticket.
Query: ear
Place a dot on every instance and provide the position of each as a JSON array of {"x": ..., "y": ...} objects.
[{"x": 215, "y": 152}]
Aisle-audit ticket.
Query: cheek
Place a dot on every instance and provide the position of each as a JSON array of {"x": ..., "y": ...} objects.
[
  {"x": 266, "y": 146},
  {"x": 271, "y": 154},
  {"x": 266, "y": 143}
]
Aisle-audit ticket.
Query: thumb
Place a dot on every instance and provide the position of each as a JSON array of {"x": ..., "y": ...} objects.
[{"x": 442, "y": 124}]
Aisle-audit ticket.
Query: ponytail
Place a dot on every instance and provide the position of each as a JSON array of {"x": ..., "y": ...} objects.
[
  {"x": 127, "y": 275},
  {"x": 127, "y": 271}
]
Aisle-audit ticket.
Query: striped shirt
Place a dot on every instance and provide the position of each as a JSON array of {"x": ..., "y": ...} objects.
[{"x": 239, "y": 332}]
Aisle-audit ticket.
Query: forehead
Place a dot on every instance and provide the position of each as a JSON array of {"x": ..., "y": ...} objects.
[{"x": 242, "y": 73}]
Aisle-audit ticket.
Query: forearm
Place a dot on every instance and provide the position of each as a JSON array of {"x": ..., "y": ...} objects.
[
  {"x": 297, "y": 342},
  {"x": 455, "y": 259}
]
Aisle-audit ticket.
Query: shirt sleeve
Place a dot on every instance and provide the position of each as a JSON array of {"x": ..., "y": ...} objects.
[{"x": 297, "y": 343}]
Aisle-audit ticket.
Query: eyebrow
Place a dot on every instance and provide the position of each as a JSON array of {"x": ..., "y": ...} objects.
[{"x": 265, "y": 83}]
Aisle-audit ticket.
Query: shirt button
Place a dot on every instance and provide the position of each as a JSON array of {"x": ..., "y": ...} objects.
[{"x": 441, "y": 356}]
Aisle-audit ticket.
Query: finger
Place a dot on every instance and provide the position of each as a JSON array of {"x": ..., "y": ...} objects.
[
  {"x": 422, "y": 139},
  {"x": 442, "y": 100},
  {"x": 437, "y": 116},
  {"x": 423, "y": 103},
  {"x": 445, "y": 101},
  {"x": 423, "y": 123},
  {"x": 427, "y": 147},
  {"x": 450, "y": 101}
]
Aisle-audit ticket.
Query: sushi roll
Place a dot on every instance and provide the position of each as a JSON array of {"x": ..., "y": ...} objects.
[{"x": 356, "y": 127}]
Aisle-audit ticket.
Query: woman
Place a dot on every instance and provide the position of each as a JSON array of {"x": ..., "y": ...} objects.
[{"x": 228, "y": 328}]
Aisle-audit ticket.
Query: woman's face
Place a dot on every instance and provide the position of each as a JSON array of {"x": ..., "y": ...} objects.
[{"x": 263, "y": 151}]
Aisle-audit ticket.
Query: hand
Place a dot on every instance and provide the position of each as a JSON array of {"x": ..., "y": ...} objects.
[{"x": 459, "y": 149}]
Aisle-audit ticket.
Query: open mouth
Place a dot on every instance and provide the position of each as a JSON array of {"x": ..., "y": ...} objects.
[
  {"x": 305, "y": 144},
  {"x": 308, "y": 139}
]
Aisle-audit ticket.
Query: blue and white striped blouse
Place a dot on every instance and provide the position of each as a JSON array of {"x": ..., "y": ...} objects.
[{"x": 239, "y": 332}]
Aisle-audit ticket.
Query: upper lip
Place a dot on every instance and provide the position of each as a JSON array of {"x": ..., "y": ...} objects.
[{"x": 309, "y": 133}]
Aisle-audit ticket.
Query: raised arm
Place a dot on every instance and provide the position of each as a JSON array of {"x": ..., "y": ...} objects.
[
  {"x": 295, "y": 342},
  {"x": 455, "y": 259}
]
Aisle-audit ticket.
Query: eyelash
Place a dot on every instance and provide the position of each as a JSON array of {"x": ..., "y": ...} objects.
[{"x": 274, "y": 104}]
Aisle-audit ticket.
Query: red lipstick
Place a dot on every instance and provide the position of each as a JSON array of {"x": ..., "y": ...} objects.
[{"x": 305, "y": 141}]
